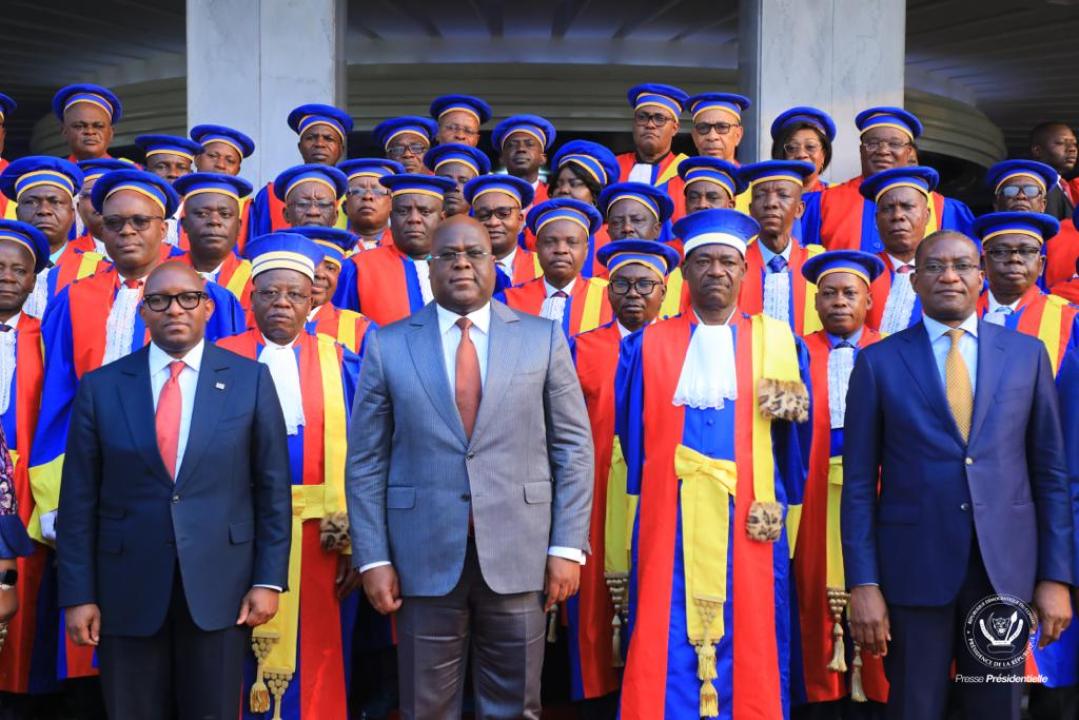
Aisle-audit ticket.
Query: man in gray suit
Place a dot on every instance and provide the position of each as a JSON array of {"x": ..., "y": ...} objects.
[{"x": 469, "y": 485}]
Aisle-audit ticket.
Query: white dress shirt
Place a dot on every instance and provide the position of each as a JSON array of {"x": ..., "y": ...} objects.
[
  {"x": 423, "y": 274},
  {"x": 998, "y": 312},
  {"x": 506, "y": 263},
  {"x": 479, "y": 333},
  {"x": 554, "y": 308},
  {"x": 188, "y": 380},
  {"x": 968, "y": 345},
  {"x": 7, "y": 361},
  {"x": 285, "y": 371},
  {"x": 641, "y": 172},
  {"x": 776, "y": 297}
]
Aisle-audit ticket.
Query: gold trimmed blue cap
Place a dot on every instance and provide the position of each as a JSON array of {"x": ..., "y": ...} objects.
[
  {"x": 38, "y": 170},
  {"x": 28, "y": 237},
  {"x": 656, "y": 256},
  {"x": 1038, "y": 226},
  {"x": 326, "y": 175},
  {"x": 519, "y": 190},
  {"x": 795, "y": 171},
  {"x": 804, "y": 115},
  {"x": 416, "y": 184},
  {"x": 206, "y": 134},
  {"x": 7, "y": 106},
  {"x": 387, "y": 130},
  {"x": 888, "y": 116},
  {"x": 730, "y": 103},
  {"x": 168, "y": 145},
  {"x": 717, "y": 226},
  {"x": 865, "y": 265},
  {"x": 93, "y": 168},
  {"x": 656, "y": 201},
  {"x": 921, "y": 178},
  {"x": 370, "y": 167},
  {"x": 156, "y": 189},
  {"x": 311, "y": 114},
  {"x": 714, "y": 170},
  {"x": 657, "y": 95},
  {"x": 1039, "y": 173},
  {"x": 217, "y": 183},
  {"x": 336, "y": 243},
  {"x": 97, "y": 95},
  {"x": 285, "y": 250},
  {"x": 595, "y": 159},
  {"x": 467, "y": 155},
  {"x": 577, "y": 212},
  {"x": 539, "y": 128},
  {"x": 461, "y": 103}
]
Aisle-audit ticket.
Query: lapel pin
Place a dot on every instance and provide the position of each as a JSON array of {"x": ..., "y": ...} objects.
[{"x": 220, "y": 386}]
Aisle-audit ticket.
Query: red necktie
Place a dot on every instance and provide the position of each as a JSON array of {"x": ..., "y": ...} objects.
[
  {"x": 467, "y": 386},
  {"x": 904, "y": 269},
  {"x": 167, "y": 420}
]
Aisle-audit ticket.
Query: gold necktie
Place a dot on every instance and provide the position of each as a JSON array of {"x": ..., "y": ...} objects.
[{"x": 957, "y": 385}]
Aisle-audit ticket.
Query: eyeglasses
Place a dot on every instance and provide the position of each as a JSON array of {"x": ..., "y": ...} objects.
[
  {"x": 116, "y": 223},
  {"x": 460, "y": 130},
  {"x": 159, "y": 302},
  {"x": 937, "y": 268},
  {"x": 376, "y": 192},
  {"x": 401, "y": 150},
  {"x": 1003, "y": 254},
  {"x": 644, "y": 288},
  {"x": 305, "y": 205},
  {"x": 798, "y": 148},
  {"x": 894, "y": 146},
  {"x": 272, "y": 296},
  {"x": 1027, "y": 191},
  {"x": 658, "y": 119},
  {"x": 502, "y": 213},
  {"x": 474, "y": 256},
  {"x": 703, "y": 128}
]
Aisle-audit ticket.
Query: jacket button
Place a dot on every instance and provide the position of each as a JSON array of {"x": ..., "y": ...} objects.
[
  {"x": 470, "y": 456},
  {"x": 964, "y": 507},
  {"x": 970, "y": 461},
  {"x": 175, "y": 499},
  {"x": 466, "y": 497}
]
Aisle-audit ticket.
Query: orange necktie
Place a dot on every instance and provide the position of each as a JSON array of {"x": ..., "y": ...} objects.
[
  {"x": 467, "y": 386},
  {"x": 167, "y": 419}
]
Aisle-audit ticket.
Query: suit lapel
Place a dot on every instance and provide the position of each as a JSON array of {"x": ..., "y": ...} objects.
[
  {"x": 917, "y": 354},
  {"x": 425, "y": 348},
  {"x": 501, "y": 365},
  {"x": 991, "y": 358},
  {"x": 211, "y": 397},
  {"x": 136, "y": 399}
]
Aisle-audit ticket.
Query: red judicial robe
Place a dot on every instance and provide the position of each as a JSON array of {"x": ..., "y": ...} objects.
[
  {"x": 525, "y": 267},
  {"x": 383, "y": 285},
  {"x": 234, "y": 276},
  {"x": 590, "y": 612},
  {"x": 847, "y": 220},
  {"x": 664, "y": 175},
  {"x": 818, "y": 526},
  {"x": 1049, "y": 318},
  {"x": 526, "y": 239},
  {"x": 803, "y": 315},
  {"x": 342, "y": 326},
  {"x": 1068, "y": 289},
  {"x": 1061, "y": 252},
  {"x": 586, "y": 307}
]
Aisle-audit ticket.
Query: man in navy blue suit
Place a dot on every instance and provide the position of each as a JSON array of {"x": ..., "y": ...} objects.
[
  {"x": 959, "y": 421},
  {"x": 175, "y": 512}
]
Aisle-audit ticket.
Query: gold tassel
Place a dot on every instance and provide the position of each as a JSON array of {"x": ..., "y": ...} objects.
[
  {"x": 259, "y": 699},
  {"x": 857, "y": 692},
  {"x": 839, "y": 650},
  {"x": 709, "y": 700},
  {"x": 616, "y": 642},
  {"x": 278, "y": 683},
  {"x": 3, "y": 635},
  {"x": 617, "y": 587},
  {"x": 552, "y": 625},
  {"x": 706, "y": 673}
]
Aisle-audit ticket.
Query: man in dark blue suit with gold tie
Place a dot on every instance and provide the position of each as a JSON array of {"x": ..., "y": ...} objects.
[{"x": 958, "y": 421}]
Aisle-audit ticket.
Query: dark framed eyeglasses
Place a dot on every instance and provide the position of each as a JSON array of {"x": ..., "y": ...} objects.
[
  {"x": 938, "y": 268},
  {"x": 160, "y": 302},
  {"x": 401, "y": 150},
  {"x": 644, "y": 288},
  {"x": 116, "y": 223},
  {"x": 1003, "y": 254},
  {"x": 658, "y": 119},
  {"x": 703, "y": 128}
]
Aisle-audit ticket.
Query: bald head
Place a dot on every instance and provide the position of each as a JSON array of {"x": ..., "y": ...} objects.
[
  {"x": 175, "y": 307},
  {"x": 926, "y": 245},
  {"x": 462, "y": 266}
]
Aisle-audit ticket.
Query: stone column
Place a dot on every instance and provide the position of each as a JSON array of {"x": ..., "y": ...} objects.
[
  {"x": 249, "y": 62},
  {"x": 841, "y": 56}
]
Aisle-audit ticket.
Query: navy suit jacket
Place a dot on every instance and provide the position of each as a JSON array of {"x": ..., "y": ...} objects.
[
  {"x": 123, "y": 523},
  {"x": 1006, "y": 489}
]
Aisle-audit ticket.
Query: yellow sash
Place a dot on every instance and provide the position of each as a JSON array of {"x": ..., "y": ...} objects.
[
  {"x": 811, "y": 320},
  {"x": 672, "y": 169},
  {"x": 239, "y": 279},
  {"x": 835, "y": 577},
  {"x": 593, "y": 304},
  {"x": 708, "y": 484},
  {"x": 621, "y": 511},
  {"x": 672, "y": 302},
  {"x": 88, "y": 264},
  {"x": 275, "y": 643},
  {"x": 1049, "y": 328}
]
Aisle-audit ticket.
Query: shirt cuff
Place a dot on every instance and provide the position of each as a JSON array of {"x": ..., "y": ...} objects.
[
  {"x": 270, "y": 587},
  {"x": 567, "y": 553},
  {"x": 373, "y": 565}
]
